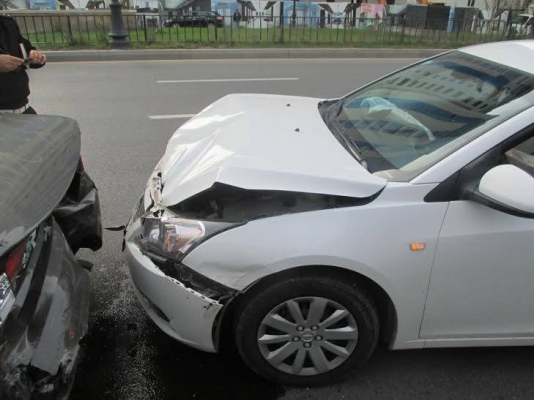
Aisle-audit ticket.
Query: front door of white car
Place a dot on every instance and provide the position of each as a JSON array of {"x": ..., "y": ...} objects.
[{"x": 482, "y": 282}]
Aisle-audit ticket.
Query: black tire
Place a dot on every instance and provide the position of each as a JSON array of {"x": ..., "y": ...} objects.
[
  {"x": 175, "y": 25},
  {"x": 350, "y": 296}
]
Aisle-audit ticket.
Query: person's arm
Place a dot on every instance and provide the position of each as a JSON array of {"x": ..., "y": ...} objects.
[
  {"x": 9, "y": 63},
  {"x": 37, "y": 58}
]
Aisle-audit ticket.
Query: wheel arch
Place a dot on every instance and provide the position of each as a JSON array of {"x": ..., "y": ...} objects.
[{"x": 386, "y": 307}]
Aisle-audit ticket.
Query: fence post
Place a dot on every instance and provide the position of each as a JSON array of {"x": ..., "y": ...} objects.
[
  {"x": 144, "y": 28},
  {"x": 344, "y": 28},
  {"x": 69, "y": 27},
  {"x": 290, "y": 29},
  {"x": 281, "y": 22},
  {"x": 508, "y": 27}
]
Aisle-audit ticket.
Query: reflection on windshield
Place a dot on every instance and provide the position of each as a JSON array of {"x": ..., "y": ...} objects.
[{"x": 410, "y": 120}]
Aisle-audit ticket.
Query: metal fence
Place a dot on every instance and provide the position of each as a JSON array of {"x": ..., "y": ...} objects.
[{"x": 71, "y": 30}]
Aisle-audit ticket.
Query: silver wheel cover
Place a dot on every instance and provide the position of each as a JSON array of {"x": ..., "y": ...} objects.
[{"x": 307, "y": 336}]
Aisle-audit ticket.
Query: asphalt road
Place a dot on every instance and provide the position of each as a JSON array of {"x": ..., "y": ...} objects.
[{"x": 125, "y": 355}]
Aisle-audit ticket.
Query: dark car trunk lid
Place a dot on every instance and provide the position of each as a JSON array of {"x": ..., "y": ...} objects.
[{"x": 38, "y": 159}]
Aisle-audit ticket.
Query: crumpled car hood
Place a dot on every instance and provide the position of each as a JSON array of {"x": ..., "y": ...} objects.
[
  {"x": 38, "y": 158},
  {"x": 261, "y": 142}
]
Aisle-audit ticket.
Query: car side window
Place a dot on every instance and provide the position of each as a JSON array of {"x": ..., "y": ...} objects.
[
  {"x": 522, "y": 156},
  {"x": 517, "y": 150}
]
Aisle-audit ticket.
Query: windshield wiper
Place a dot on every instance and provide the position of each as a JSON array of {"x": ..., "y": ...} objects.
[
  {"x": 339, "y": 107},
  {"x": 348, "y": 144}
]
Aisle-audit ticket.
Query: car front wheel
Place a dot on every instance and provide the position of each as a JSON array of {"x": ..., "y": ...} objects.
[{"x": 307, "y": 330}]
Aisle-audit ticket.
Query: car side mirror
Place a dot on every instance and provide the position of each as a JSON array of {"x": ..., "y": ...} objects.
[{"x": 507, "y": 188}]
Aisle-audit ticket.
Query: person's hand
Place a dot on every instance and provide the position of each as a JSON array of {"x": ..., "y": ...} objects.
[
  {"x": 36, "y": 57},
  {"x": 9, "y": 63}
]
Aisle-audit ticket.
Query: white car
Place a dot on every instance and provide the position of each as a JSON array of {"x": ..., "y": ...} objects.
[
  {"x": 522, "y": 24},
  {"x": 309, "y": 229}
]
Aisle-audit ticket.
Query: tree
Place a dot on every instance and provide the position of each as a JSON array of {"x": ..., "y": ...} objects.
[{"x": 496, "y": 7}]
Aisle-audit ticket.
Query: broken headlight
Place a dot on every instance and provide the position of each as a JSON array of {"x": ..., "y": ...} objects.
[{"x": 174, "y": 237}]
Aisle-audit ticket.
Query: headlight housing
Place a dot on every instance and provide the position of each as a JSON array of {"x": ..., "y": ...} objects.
[
  {"x": 173, "y": 237},
  {"x": 167, "y": 240}
]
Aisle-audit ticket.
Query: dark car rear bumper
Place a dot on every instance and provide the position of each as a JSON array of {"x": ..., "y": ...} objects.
[
  {"x": 39, "y": 344},
  {"x": 78, "y": 214}
]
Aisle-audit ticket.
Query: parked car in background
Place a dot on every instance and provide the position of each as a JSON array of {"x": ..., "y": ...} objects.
[
  {"x": 196, "y": 18},
  {"x": 522, "y": 24},
  {"x": 309, "y": 229},
  {"x": 49, "y": 208}
]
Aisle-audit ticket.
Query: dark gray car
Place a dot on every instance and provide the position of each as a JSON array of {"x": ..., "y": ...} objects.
[
  {"x": 196, "y": 18},
  {"x": 49, "y": 209}
]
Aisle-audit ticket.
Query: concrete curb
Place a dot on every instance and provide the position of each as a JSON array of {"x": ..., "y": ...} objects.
[{"x": 214, "y": 54}]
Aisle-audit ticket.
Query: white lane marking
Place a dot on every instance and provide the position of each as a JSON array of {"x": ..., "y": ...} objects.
[
  {"x": 229, "y": 80},
  {"x": 174, "y": 116},
  {"x": 248, "y": 60}
]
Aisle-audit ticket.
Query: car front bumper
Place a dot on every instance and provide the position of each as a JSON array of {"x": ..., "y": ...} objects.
[{"x": 179, "y": 311}]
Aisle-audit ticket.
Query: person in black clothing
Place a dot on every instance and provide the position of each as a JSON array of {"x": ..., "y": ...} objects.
[
  {"x": 237, "y": 18},
  {"x": 16, "y": 54}
]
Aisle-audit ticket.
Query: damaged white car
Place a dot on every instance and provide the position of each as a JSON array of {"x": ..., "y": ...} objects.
[{"x": 312, "y": 229}]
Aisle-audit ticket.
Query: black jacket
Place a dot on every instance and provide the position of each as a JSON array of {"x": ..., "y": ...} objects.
[{"x": 14, "y": 86}]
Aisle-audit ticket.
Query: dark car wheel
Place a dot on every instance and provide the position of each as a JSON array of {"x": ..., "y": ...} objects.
[
  {"x": 175, "y": 24},
  {"x": 308, "y": 330}
]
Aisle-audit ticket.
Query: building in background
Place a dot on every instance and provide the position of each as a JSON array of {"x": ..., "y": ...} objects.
[
  {"x": 432, "y": 14},
  {"x": 257, "y": 12},
  {"x": 302, "y": 14},
  {"x": 42, "y": 4}
]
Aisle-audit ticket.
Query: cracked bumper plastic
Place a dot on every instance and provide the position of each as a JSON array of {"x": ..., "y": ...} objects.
[{"x": 182, "y": 313}]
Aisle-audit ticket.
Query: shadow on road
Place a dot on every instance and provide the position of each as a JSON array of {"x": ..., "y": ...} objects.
[
  {"x": 475, "y": 373},
  {"x": 125, "y": 359}
]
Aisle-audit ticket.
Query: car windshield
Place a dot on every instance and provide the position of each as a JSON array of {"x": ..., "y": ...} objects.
[
  {"x": 406, "y": 122},
  {"x": 519, "y": 19}
]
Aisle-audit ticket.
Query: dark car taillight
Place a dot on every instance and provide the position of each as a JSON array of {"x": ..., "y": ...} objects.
[
  {"x": 218, "y": 18},
  {"x": 14, "y": 264},
  {"x": 14, "y": 261},
  {"x": 17, "y": 260}
]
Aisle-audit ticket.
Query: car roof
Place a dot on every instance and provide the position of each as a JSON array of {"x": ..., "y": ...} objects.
[{"x": 517, "y": 54}]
